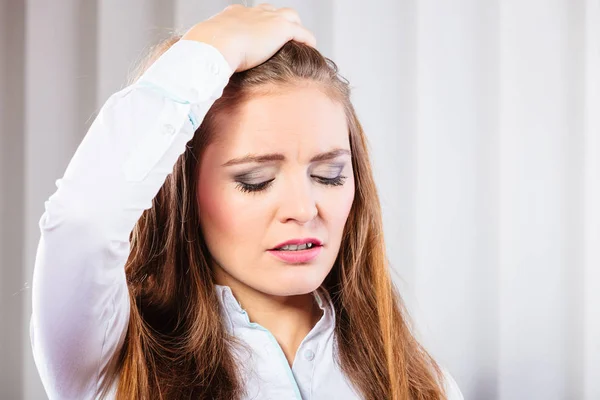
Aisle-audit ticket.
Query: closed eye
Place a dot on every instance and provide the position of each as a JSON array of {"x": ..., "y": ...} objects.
[
  {"x": 337, "y": 181},
  {"x": 253, "y": 187},
  {"x": 257, "y": 187}
]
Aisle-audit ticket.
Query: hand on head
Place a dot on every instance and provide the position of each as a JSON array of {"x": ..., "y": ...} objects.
[{"x": 248, "y": 36}]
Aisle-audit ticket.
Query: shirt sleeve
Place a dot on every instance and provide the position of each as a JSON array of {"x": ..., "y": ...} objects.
[{"x": 79, "y": 293}]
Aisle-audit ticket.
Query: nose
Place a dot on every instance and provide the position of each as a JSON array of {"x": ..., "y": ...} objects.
[{"x": 298, "y": 202}]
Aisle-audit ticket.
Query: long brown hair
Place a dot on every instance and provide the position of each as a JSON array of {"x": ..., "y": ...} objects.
[{"x": 176, "y": 345}]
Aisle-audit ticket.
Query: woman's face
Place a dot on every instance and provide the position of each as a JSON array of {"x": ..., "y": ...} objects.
[{"x": 277, "y": 170}]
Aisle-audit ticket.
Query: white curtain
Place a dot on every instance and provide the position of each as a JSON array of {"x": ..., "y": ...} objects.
[{"x": 484, "y": 125}]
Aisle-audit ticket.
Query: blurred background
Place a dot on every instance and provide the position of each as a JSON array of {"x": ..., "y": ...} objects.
[{"x": 484, "y": 124}]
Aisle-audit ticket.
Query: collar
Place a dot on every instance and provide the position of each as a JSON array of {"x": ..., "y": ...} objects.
[{"x": 236, "y": 317}]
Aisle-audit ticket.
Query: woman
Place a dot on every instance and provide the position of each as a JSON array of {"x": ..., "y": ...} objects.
[{"x": 218, "y": 235}]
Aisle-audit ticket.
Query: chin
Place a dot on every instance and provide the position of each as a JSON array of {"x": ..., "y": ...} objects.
[{"x": 296, "y": 283}]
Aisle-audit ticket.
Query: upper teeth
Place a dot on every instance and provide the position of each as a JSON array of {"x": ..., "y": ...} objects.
[{"x": 296, "y": 246}]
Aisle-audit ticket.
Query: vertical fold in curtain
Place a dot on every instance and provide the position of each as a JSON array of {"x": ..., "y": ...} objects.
[
  {"x": 13, "y": 277},
  {"x": 591, "y": 305}
]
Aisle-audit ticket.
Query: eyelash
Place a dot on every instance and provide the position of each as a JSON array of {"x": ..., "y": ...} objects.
[{"x": 257, "y": 187}]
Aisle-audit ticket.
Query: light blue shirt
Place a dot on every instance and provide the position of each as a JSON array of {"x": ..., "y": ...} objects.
[{"x": 80, "y": 296}]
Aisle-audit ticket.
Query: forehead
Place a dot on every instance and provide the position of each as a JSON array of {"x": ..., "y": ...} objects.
[{"x": 302, "y": 120}]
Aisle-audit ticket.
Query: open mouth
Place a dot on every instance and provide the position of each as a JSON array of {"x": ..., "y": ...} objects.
[
  {"x": 297, "y": 247},
  {"x": 298, "y": 251}
]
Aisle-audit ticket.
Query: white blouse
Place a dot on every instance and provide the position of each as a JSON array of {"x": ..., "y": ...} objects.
[{"x": 80, "y": 297}]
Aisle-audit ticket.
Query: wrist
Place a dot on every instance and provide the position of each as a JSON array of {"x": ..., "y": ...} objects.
[{"x": 223, "y": 46}]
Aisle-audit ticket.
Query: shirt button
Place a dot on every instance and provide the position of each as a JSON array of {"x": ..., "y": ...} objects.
[
  {"x": 214, "y": 68},
  {"x": 309, "y": 354},
  {"x": 168, "y": 129}
]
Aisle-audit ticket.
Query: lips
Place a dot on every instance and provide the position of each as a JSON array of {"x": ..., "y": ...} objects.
[
  {"x": 288, "y": 252},
  {"x": 299, "y": 242}
]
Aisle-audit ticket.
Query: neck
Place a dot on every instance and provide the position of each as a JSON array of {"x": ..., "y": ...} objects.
[{"x": 288, "y": 318}]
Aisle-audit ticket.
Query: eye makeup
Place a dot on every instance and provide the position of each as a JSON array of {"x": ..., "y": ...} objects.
[
  {"x": 329, "y": 174},
  {"x": 328, "y": 170},
  {"x": 253, "y": 180},
  {"x": 254, "y": 187},
  {"x": 257, "y": 180},
  {"x": 337, "y": 181}
]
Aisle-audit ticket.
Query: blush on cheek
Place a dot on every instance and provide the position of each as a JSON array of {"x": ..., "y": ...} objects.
[
  {"x": 209, "y": 206},
  {"x": 215, "y": 214}
]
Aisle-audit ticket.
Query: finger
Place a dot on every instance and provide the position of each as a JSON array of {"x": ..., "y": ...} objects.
[
  {"x": 266, "y": 6},
  {"x": 290, "y": 14},
  {"x": 303, "y": 35}
]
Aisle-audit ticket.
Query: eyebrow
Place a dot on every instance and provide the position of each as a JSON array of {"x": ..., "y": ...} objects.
[{"x": 252, "y": 158}]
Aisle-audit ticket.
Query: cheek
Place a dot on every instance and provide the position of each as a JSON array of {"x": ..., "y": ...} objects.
[
  {"x": 336, "y": 205},
  {"x": 227, "y": 217},
  {"x": 216, "y": 222},
  {"x": 215, "y": 217}
]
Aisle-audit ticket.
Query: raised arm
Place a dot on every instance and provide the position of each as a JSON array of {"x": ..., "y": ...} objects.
[{"x": 80, "y": 297}]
